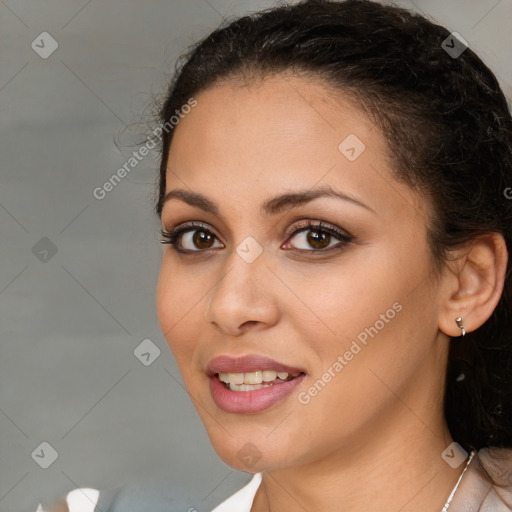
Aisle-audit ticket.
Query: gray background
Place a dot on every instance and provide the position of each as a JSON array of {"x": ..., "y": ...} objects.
[{"x": 69, "y": 326}]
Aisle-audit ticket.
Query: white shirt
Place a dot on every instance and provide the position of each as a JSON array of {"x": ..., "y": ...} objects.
[
  {"x": 242, "y": 500},
  {"x": 85, "y": 500}
]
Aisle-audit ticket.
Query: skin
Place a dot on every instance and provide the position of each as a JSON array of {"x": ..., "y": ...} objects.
[{"x": 372, "y": 438}]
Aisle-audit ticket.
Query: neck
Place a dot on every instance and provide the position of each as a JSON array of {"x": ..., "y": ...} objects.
[{"x": 399, "y": 469}]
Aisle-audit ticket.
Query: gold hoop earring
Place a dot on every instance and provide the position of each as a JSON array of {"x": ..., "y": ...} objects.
[{"x": 461, "y": 325}]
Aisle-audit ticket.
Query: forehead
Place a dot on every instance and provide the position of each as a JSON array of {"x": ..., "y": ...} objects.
[
  {"x": 279, "y": 111},
  {"x": 247, "y": 140}
]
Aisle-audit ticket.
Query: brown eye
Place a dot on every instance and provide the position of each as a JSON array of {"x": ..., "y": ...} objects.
[
  {"x": 317, "y": 239},
  {"x": 191, "y": 239},
  {"x": 202, "y": 239}
]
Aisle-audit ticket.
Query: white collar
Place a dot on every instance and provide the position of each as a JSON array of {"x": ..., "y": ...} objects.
[{"x": 242, "y": 500}]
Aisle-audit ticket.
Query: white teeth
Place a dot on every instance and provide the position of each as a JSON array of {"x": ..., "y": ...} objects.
[
  {"x": 253, "y": 380},
  {"x": 247, "y": 387},
  {"x": 269, "y": 375},
  {"x": 253, "y": 377},
  {"x": 236, "y": 378}
]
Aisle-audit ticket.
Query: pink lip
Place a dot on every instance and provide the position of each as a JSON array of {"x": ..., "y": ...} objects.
[
  {"x": 247, "y": 402},
  {"x": 248, "y": 363}
]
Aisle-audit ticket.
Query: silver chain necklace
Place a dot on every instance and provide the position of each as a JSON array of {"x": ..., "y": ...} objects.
[{"x": 447, "y": 504}]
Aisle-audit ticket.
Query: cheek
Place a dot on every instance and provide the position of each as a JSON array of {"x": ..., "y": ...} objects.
[
  {"x": 337, "y": 303},
  {"x": 165, "y": 305},
  {"x": 177, "y": 299},
  {"x": 366, "y": 313},
  {"x": 378, "y": 347}
]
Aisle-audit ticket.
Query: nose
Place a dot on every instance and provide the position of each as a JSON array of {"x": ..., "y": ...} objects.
[{"x": 244, "y": 297}]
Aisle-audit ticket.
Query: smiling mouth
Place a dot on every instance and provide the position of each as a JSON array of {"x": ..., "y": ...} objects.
[{"x": 252, "y": 381}]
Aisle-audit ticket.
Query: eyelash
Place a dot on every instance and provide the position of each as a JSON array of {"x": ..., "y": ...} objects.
[{"x": 172, "y": 236}]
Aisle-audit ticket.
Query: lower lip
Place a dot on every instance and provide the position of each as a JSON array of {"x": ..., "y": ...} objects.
[{"x": 246, "y": 402}]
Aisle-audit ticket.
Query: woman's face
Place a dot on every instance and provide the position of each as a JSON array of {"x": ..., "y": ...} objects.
[{"x": 354, "y": 314}]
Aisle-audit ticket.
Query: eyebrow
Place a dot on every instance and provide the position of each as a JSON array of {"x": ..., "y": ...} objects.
[{"x": 270, "y": 207}]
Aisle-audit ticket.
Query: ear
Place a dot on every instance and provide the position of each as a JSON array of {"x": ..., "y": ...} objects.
[{"x": 474, "y": 284}]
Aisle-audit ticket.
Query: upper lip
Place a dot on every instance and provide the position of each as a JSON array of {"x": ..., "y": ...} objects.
[{"x": 247, "y": 363}]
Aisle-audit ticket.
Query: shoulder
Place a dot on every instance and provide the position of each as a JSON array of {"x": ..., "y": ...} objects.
[
  {"x": 487, "y": 484},
  {"x": 496, "y": 468}
]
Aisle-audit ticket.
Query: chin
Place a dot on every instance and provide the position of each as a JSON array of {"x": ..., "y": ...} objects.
[{"x": 246, "y": 452}]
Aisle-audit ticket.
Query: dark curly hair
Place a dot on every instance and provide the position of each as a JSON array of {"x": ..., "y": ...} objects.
[{"x": 450, "y": 129}]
